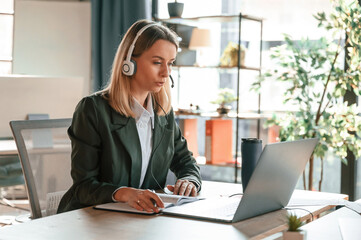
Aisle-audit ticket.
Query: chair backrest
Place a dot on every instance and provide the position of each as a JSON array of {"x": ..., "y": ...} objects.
[{"x": 45, "y": 154}]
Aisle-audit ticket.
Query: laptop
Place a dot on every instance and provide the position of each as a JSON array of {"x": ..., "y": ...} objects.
[{"x": 269, "y": 188}]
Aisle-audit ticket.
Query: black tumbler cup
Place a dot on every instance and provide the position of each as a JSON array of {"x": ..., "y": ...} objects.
[{"x": 251, "y": 149}]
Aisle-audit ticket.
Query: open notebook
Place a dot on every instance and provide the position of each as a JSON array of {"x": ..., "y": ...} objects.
[
  {"x": 270, "y": 186},
  {"x": 169, "y": 200}
]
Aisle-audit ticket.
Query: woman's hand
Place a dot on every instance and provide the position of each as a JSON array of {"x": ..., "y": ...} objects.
[
  {"x": 183, "y": 187},
  {"x": 142, "y": 200}
]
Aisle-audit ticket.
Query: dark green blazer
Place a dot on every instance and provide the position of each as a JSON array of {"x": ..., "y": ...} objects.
[{"x": 106, "y": 154}]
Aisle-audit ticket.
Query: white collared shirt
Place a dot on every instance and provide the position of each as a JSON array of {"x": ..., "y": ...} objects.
[{"x": 144, "y": 119}]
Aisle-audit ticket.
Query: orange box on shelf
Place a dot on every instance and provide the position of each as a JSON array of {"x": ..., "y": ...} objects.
[
  {"x": 189, "y": 130},
  {"x": 273, "y": 134},
  {"x": 218, "y": 141}
]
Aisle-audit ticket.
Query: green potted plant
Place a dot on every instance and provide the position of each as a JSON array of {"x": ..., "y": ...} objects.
[
  {"x": 294, "y": 232},
  {"x": 317, "y": 82},
  {"x": 225, "y": 97}
]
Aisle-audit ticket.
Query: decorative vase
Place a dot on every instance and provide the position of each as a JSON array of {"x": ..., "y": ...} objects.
[
  {"x": 175, "y": 9},
  {"x": 300, "y": 235}
]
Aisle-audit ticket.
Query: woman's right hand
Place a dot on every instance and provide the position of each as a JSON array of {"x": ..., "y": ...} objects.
[{"x": 140, "y": 199}]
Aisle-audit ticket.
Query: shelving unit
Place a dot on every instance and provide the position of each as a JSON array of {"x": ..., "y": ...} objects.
[
  {"x": 219, "y": 67},
  {"x": 209, "y": 19},
  {"x": 194, "y": 22}
]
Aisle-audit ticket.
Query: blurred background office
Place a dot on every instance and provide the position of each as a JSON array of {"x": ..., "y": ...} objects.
[{"x": 78, "y": 39}]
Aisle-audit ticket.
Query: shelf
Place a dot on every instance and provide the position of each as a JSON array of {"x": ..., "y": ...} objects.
[
  {"x": 237, "y": 20},
  {"x": 217, "y": 67},
  {"x": 245, "y": 115},
  {"x": 248, "y": 115},
  {"x": 217, "y": 18}
]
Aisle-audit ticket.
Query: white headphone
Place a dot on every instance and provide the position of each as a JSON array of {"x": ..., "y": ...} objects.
[{"x": 129, "y": 66}]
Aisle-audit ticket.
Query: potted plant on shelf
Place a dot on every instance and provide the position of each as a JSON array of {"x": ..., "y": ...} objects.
[
  {"x": 294, "y": 232},
  {"x": 225, "y": 97},
  {"x": 175, "y": 9},
  {"x": 317, "y": 83}
]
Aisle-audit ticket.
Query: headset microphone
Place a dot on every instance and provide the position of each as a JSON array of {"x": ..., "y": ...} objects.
[{"x": 172, "y": 81}]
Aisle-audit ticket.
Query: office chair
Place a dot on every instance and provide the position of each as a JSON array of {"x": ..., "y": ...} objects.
[{"x": 45, "y": 155}]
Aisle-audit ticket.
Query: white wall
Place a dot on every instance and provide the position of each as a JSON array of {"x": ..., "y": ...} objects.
[
  {"x": 53, "y": 38},
  {"x": 21, "y": 95}
]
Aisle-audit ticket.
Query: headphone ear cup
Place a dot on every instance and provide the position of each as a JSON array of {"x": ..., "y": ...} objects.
[
  {"x": 134, "y": 66},
  {"x": 128, "y": 67}
]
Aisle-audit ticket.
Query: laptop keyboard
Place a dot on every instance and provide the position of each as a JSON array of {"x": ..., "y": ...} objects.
[
  {"x": 222, "y": 207},
  {"x": 225, "y": 210}
]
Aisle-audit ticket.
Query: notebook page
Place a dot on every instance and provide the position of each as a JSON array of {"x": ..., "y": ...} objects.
[{"x": 52, "y": 202}]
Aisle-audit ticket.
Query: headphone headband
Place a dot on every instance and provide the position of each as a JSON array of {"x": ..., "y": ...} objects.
[
  {"x": 129, "y": 66},
  {"x": 131, "y": 48}
]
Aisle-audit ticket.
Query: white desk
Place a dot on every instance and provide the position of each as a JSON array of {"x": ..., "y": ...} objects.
[
  {"x": 89, "y": 223},
  {"x": 327, "y": 227},
  {"x": 8, "y": 147}
]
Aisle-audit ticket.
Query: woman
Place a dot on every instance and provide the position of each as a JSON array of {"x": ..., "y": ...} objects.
[{"x": 124, "y": 138}]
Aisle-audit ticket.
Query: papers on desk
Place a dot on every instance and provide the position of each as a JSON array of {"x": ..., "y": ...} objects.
[
  {"x": 308, "y": 199},
  {"x": 169, "y": 200},
  {"x": 323, "y": 202},
  {"x": 52, "y": 202},
  {"x": 350, "y": 228},
  {"x": 315, "y": 202},
  {"x": 354, "y": 206},
  {"x": 7, "y": 219},
  {"x": 120, "y": 207}
]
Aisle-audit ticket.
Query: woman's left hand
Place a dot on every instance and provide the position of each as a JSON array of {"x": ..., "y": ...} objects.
[{"x": 183, "y": 187}]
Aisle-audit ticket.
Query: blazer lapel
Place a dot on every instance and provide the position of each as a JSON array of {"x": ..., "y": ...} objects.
[
  {"x": 126, "y": 129},
  {"x": 159, "y": 128}
]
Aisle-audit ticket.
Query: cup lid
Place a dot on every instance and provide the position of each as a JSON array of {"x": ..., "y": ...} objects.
[{"x": 252, "y": 140}]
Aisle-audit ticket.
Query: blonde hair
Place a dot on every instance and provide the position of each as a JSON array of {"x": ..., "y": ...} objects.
[{"x": 118, "y": 90}]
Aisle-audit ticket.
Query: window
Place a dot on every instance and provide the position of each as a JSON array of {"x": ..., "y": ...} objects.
[
  {"x": 6, "y": 35},
  {"x": 282, "y": 16},
  {"x": 292, "y": 17},
  {"x": 193, "y": 81}
]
